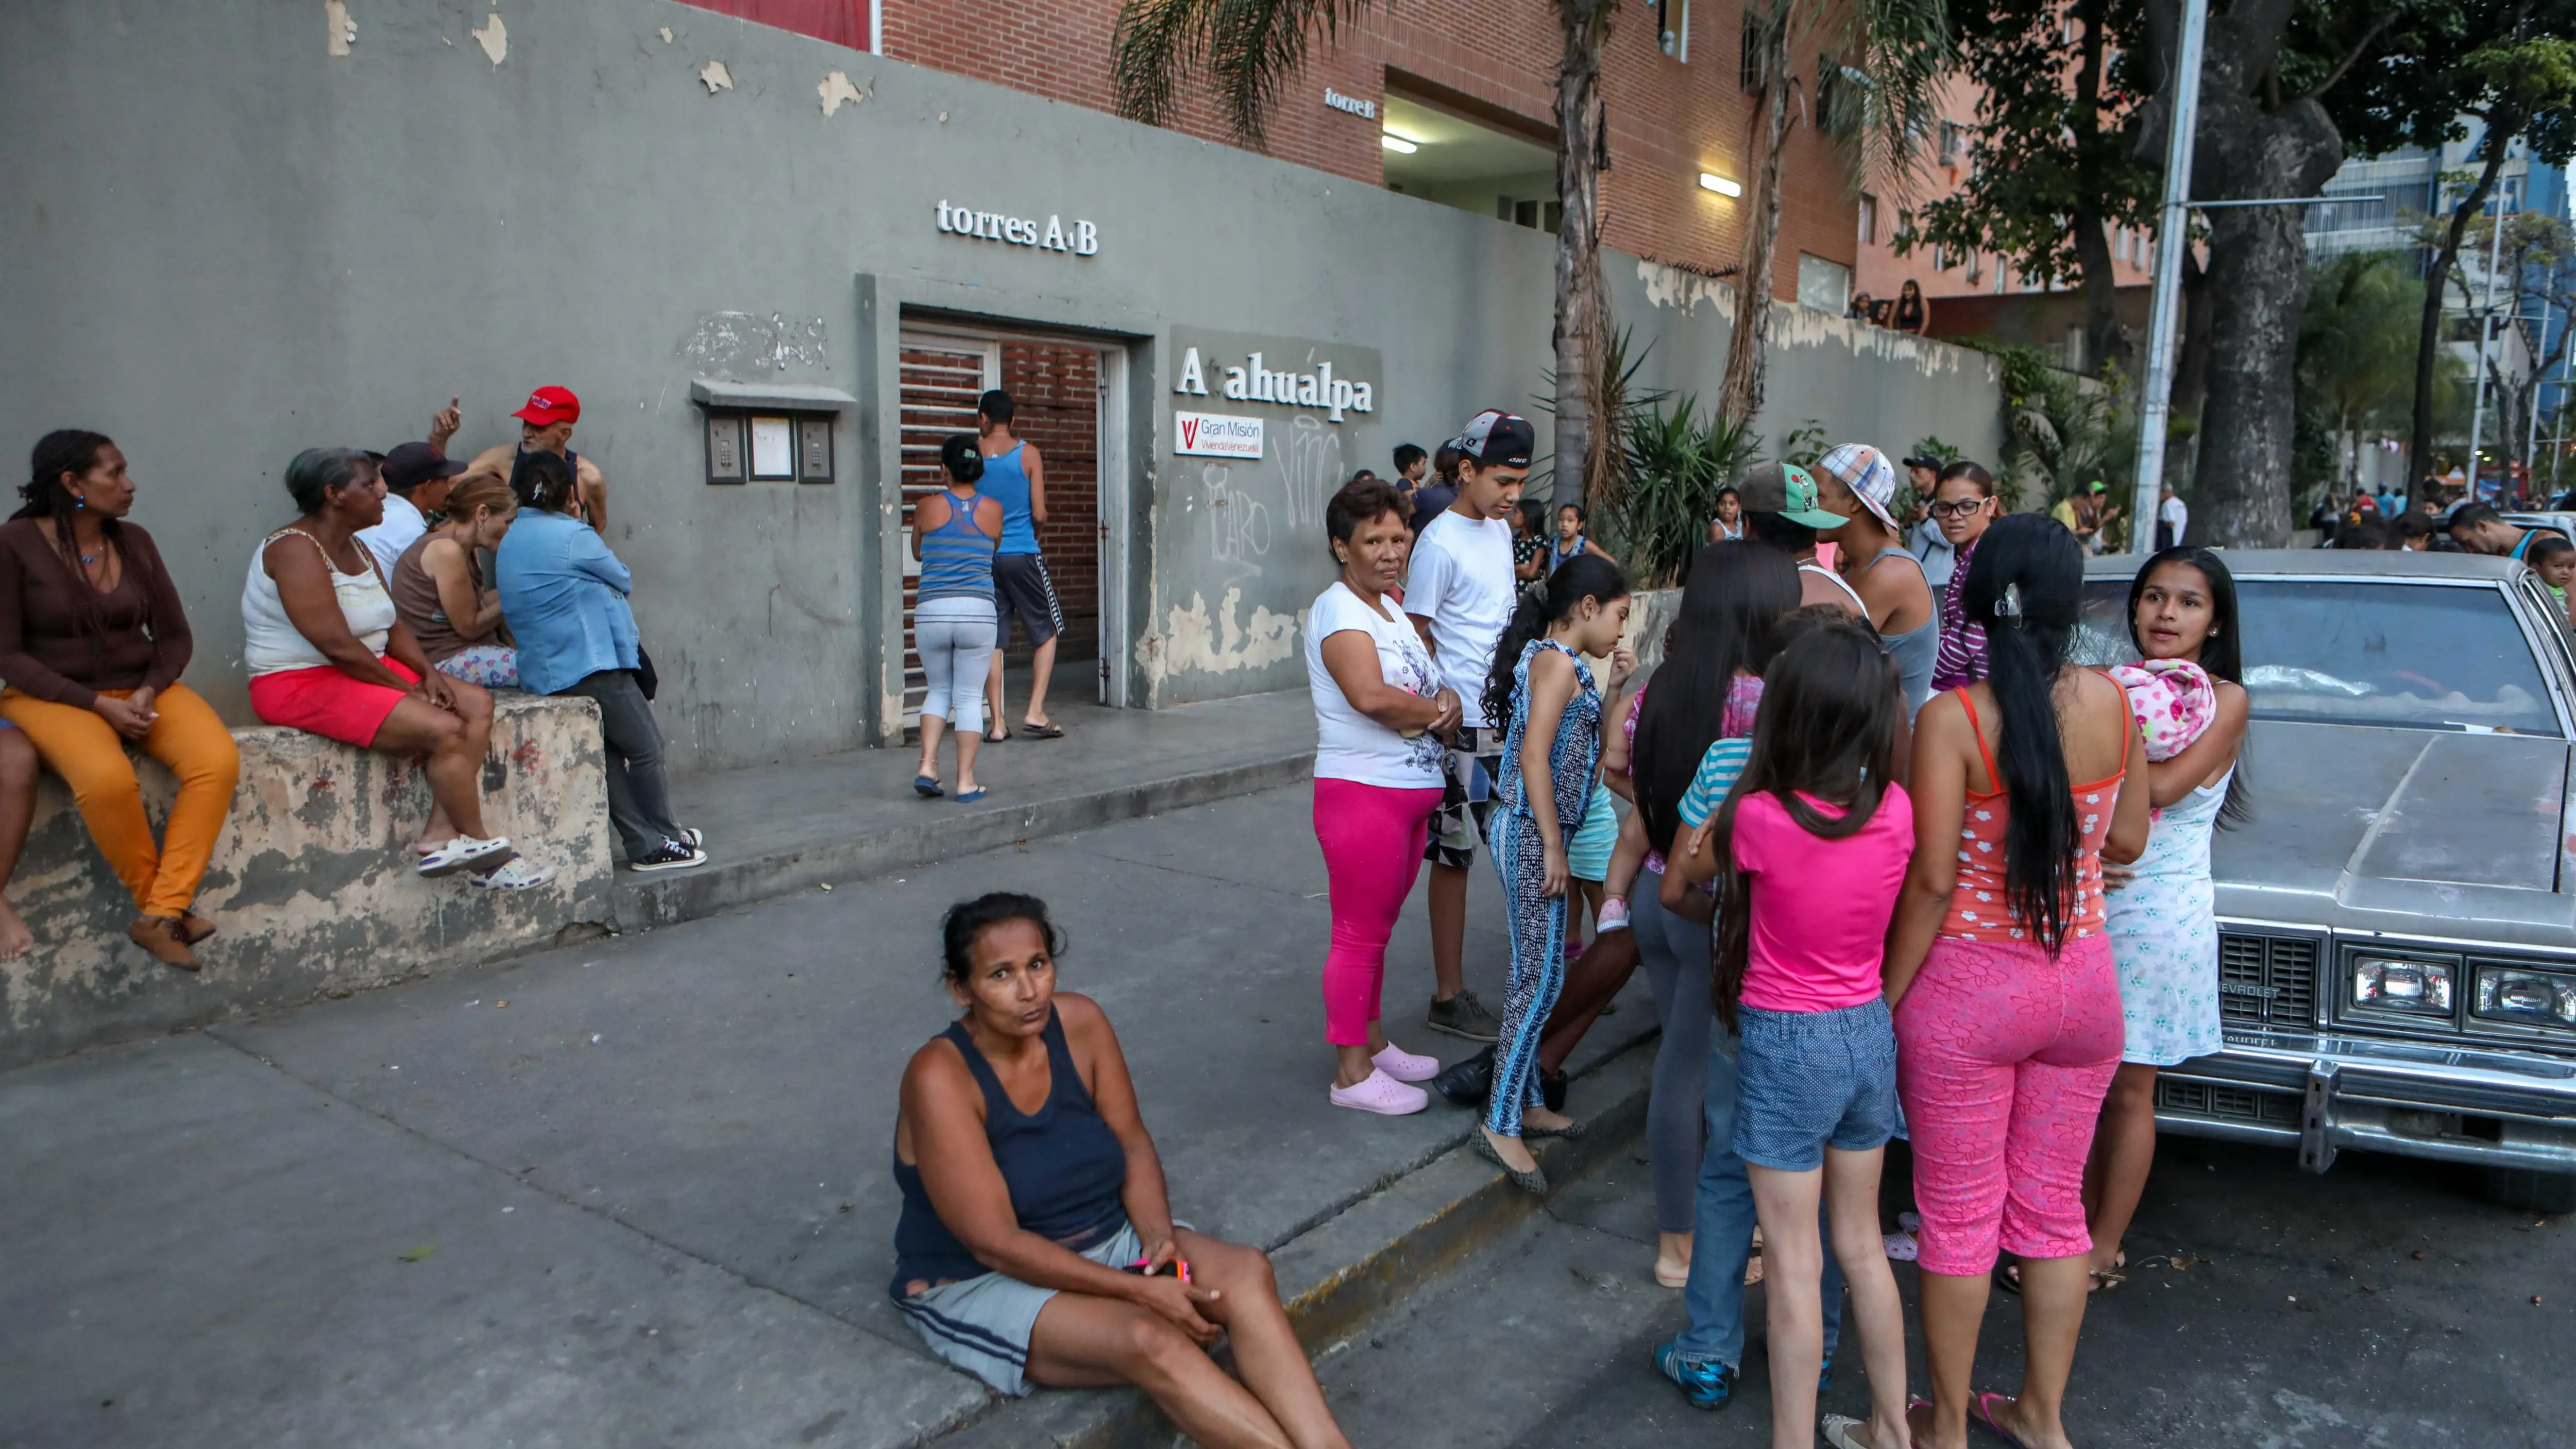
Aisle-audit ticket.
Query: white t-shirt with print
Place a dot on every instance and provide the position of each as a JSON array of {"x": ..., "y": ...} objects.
[
  {"x": 1462, "y": 582},
  {"x": 1348, "y": 744}
]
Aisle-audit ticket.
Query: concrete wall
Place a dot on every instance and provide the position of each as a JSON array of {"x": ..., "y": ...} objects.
[
  {"x": 311, "y": 885},
  {"x": 227, "y": 243}
]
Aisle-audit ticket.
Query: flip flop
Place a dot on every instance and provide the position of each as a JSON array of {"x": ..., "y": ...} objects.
[
  {"x": 2008, "y": 1278},
  {"x": 969, "y": 797},
  {"x": 927, "y": 787},
  {"x": 1980, "y": 1414},
  {"x": 1041, "y": 731}
]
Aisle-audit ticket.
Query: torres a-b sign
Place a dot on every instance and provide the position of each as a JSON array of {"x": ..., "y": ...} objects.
[
  {"x": 1082, "y": 239},
  {"x": 1257, "y": 381}
]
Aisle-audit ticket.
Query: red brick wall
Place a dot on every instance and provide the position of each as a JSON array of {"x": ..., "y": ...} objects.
[
  {"x": 1668, "y": 121},
  {"x": 1057, "y": 392}
]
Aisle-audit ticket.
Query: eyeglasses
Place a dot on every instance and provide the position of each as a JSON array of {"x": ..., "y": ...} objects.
[{"x": 1957, "y": 509}]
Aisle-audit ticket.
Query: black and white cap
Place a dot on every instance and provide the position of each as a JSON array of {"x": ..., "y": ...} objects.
[{"x": 1497, "y": 439}]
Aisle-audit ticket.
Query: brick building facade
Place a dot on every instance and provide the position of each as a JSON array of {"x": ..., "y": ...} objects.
[{"x": 1493, "y": 61}]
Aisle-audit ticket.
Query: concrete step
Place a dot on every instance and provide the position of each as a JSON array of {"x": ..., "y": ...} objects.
[
  {"x": 772, "y": 829},
  {"x": 1363, "y": 1260}
]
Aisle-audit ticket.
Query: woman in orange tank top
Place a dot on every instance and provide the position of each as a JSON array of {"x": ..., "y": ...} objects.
[{"x": 2007, "y": 1004}]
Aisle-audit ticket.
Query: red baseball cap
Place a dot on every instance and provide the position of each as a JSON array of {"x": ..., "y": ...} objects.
[{"x": 550, "y": 405}]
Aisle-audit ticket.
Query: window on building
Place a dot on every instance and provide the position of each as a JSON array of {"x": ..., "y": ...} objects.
[
  {"x": 1491, "y": 164},
  {"x": 1868, "y": 220},
  {"x": 2074, "y": 347},
  {"x": 1822, "y": 284},
  {"x": 1976, "y": 267},
  {"x": 1954, "y": 142},
  {"x": 1748, "y": 67},
  {"x": 1672, "y": 24}
]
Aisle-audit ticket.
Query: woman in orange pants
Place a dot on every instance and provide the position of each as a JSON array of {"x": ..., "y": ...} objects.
[{"x": 92, "y": 643}]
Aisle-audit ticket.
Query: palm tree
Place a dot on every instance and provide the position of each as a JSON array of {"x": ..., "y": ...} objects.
[
  {"x": 1251, "y": 49},
  {"x": 1877, "y": 101},
  {"x": 2357, "y": 344}
]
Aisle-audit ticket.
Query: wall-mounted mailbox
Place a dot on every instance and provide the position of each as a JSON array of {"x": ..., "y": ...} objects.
[{"x": 769, "y": 432}]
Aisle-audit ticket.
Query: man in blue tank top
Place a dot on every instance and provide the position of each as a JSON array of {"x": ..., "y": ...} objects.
[{"x": 1015, "y": 478}]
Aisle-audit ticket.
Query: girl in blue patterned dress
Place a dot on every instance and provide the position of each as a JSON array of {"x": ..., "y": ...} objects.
[
  {"x": 1542, "y": 686},
  {"x": 2162, "y": 919}
]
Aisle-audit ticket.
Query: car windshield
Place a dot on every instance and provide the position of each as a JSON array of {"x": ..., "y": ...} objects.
[{"x": 2343, "y": 651}]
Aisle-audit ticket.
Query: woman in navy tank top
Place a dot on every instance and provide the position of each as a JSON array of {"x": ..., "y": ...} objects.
[{"x": 1036, "y": 1245}]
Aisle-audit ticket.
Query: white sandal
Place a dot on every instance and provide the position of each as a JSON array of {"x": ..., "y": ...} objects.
[
  {"x": 464, "y": 852},
  {"x": 520, "y": 874}
]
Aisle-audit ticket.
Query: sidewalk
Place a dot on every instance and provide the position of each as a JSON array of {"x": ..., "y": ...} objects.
[
  {"x": 777, "y": 828},
  {"x": 637, "y": 1191}
]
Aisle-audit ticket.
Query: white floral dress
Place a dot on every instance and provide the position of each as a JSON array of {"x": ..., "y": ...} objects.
[{"x": 2164, "y": 937}]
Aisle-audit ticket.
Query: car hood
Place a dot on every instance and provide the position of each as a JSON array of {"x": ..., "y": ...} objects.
[{"x": 2421, "y": 832}]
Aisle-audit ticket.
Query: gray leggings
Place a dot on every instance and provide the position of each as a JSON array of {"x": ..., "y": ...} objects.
[
  {"x": 1674, "y": 952},
  {"x": 955, "y": 640}
]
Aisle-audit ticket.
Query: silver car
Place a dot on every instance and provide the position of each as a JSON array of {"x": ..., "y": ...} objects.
[{"x": 2397, "y": 947}]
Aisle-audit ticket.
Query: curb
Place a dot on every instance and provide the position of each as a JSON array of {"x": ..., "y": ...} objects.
[
  {"x": 1354, "y": 1265},
  {"x": 668, "y": 900}
]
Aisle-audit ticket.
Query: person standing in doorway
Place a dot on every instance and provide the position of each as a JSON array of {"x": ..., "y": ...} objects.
[
  {"x": 1963, "y": 506},
  {"x": 952, "y": 617},
  {"x": 1015, "y": 477},
  {"x": 1460, "y": 595},
  {"x": 1854, "y": 479},
  {"x": 545, "y": 426}
]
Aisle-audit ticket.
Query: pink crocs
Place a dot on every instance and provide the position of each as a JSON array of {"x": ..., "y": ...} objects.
[
  {"x": 1383, "y": 1095},
  {"x": 1404, "y": 1066}
]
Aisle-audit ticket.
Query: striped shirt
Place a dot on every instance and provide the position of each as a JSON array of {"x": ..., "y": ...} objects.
[
  {"x": 1962, "y": 660},
  {"x": 1718, "y": 770}
]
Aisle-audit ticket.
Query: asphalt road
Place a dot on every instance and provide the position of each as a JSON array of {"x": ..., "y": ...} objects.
[{"x": 2384, "y": 1305}]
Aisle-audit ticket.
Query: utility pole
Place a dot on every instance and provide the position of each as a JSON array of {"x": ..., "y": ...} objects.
[
  {"x": 2486, "y": 337},
  {"x": 2531, "y": 445},
  {"x": 2173, "y": 234}
]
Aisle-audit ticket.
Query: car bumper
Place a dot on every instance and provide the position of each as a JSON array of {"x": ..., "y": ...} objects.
[{"x": 2320, "y": 1094}]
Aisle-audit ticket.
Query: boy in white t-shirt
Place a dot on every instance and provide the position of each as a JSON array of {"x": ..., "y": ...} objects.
[{"x": 1460, "y": 595}]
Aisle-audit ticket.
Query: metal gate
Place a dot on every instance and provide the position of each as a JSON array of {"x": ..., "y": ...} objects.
[{"x": 940, "y": 380}]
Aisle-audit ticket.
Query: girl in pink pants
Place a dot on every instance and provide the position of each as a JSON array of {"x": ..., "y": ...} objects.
[{"x": 2007, "y": 1007}]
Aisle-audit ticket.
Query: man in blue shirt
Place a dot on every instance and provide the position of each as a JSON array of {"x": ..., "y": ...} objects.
[
  {"x": 2477, "y": 528},
  {"x": 1015, "y": 477}
]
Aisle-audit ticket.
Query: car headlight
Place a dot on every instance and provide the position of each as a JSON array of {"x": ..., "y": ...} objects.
[
  {"x": 2393, "y": 983},
  {"x": 2537, "y": 997}
]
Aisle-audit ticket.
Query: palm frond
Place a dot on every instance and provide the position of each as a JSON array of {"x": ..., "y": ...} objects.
[{"x": 1251, "y": 49}]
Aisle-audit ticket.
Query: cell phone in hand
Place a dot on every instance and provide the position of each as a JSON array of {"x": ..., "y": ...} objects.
[{"x": 1177, "y": 1268}]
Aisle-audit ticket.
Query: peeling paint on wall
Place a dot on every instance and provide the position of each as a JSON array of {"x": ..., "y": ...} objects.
[
  {"x": 494, "y": 37},
  {"x": 1670, "y": 286},
  {"x": 738, "y": 343},
  {"x": 837, "y": 91},
  {"x": 341, "y": 31},
  {"x": 1220, "y": 645},
  {"x": 666, "y": 35},
  {"x": 715, "y": 77}
]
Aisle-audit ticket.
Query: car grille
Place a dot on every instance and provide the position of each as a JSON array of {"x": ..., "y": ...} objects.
[
  {"x": 2221, "y": 1103},
  {"x": 2267, "y": 980}
]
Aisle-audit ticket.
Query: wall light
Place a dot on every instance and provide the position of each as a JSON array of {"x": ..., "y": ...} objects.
[
  {"x": 1719, "y": 184},
  {"x": 1397, "y": 144}
]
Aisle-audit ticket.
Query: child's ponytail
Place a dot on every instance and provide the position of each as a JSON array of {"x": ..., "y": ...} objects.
[{"x": 1585, "y": 576}]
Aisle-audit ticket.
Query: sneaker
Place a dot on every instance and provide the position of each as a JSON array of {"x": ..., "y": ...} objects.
[
  {"x": 1404, "y": 1066},
  {"x": 670, "y": 855},
  {"x": 1705, "y": 1385},
  {"x": 1614, "y": 916},
  {"x": 518, "y": 875},
  {"x": 1377, "y": 1092},
  {"x": 697, "y": 838},
  {"x": 1463, "y": 1015}
]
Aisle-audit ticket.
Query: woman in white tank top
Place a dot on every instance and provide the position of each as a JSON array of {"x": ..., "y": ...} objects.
[{"x": 328, "y": 655}]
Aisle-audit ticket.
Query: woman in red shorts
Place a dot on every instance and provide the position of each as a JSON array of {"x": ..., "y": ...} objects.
[{"x": 327, "y": 655}]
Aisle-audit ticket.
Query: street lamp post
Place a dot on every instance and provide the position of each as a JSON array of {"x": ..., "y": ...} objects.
[
  {"x": 2486, "y": 338},
  {"x": 2173, "y": 233}
]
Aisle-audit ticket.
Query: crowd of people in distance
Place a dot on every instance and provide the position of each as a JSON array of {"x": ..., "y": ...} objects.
[{"x": 371, "y": 618}]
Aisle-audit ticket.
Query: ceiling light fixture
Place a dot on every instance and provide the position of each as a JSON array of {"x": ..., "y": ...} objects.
[
  {"x": 1719, "y": 184},
  {"x": 1397, "y": 144}
]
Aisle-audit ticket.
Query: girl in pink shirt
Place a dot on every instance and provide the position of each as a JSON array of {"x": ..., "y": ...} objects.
[{"x": 1816, "y": 836}]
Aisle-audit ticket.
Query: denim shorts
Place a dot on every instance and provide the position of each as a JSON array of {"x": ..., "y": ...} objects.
[{"x": 1812, "y": 1079}]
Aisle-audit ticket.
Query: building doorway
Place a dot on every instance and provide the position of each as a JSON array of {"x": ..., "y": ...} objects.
[{"x": 1068, "y": 393}]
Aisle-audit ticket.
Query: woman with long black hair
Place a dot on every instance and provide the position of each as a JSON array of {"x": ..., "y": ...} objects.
[
  {"x": 2163, "y": 913},
  {"x": 1999, "y": 968}
]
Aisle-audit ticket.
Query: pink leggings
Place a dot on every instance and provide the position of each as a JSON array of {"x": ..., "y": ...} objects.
[
  {"x": 2003, "y": 1059},
  {"x": 1372, "y": 838}
]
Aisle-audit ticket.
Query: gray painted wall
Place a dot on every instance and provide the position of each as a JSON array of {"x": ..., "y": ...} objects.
[{"x": 225, "y": 244}]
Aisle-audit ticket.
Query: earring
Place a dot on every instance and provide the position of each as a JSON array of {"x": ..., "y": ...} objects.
[{"x": 78, "y": 502}]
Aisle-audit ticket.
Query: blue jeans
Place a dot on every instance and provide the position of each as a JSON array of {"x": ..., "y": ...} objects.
[{"x": 1722, "y": 1234}]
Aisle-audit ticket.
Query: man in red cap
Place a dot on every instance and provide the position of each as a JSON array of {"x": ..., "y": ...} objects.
[{"x": 545, "y": 426}]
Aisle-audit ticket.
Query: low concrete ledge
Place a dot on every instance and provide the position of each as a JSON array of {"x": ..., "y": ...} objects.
[{"x": 311, "y": 883}]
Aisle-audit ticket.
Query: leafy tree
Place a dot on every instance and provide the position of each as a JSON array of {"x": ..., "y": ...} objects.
[
  {"x": 2536, "y": 270},
  {"x": 1888, "y": 58},
  {"x": 2050, "y": 164},
  {"x": 1252, "y": 49}
]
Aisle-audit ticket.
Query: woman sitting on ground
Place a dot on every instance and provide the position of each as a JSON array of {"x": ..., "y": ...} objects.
[
  {"x": 92, "y": 642},
  {"x": 1036, "y": 1245},
  {"x": 439, "y": 591},
  {"x": 328, "y": 655},
  {"x": 565, "y": 595}
]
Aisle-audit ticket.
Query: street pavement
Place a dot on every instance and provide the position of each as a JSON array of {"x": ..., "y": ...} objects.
[
  {"x": 2382, "y": 1305},
  {"x": 638, "y": 1191}
]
